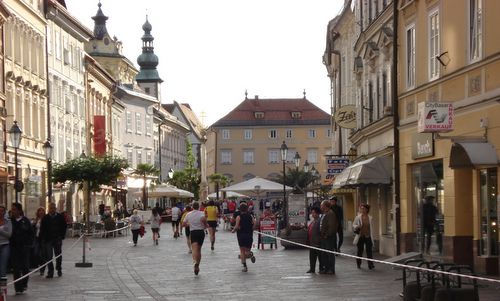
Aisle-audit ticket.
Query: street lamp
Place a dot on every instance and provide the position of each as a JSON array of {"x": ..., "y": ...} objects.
[
  {"x": 306, "y": 166},
  {"x": 47, "y": 148},
  {"x": 284, "y": 151},
  {"x": 296, "y": 160},
  {"x": 314, "y": 174},
  {"x": 15, "y": 139}
]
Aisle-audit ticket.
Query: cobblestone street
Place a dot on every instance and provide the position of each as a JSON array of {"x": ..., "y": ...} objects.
[{"x": 164, "y": 272}]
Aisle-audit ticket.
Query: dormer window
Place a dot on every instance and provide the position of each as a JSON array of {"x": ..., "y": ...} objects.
[
  {"x": 296, "y": 115},
  {"x": 259, "y": 115}
]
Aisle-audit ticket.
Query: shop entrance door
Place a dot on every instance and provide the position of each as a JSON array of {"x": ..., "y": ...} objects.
[{"x": 427, "y": 180}]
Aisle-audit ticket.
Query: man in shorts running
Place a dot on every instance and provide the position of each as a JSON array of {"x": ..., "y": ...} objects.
[
  {"x": 176, "y": 212},
  {"x": 212, "y": 213},
  {"x": 197, "y": 223}
]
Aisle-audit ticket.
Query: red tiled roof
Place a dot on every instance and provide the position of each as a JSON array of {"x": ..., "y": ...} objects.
[{"x": 276, "y": 112}]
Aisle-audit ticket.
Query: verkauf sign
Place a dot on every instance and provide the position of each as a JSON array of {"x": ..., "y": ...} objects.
[
  {"x": 345, "y": 117},
  {"x": 434, "y": 117}
]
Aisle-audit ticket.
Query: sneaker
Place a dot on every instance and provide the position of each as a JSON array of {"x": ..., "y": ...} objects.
[
  {"x": 196, "y": 269},
  {"x": 245, "y": 269},
  {"x": 157, "y": 242}
]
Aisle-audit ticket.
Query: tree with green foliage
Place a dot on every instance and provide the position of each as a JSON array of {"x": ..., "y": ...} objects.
[
  {"x": 219, "y": 180},
  {"x": 296, "y": 178},
  {"x": 145, "y": 170},
  {"x": 188, "y": 178},
  {"x": 89, "y": 172}
]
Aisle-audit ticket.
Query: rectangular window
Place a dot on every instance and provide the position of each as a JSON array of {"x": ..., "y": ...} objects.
[
  {"x": 312, "y": 156},
  {"x": 138, "y": 123},
  {"x": 433, "y": 44},
  {"x": 225, "y": 157},
  {"x": 410, "y": 56},
  {"x": 149, "y": 158},
  {"x": 130, "y": 157},
  {"x": 49, "y": 40},
  {"x": 489, "y": 217},
  {"x": 138, "y": 157},
  {"x": 274, "y": 156},
  {"x": 226, "y": 134},
  {"x": 57, "y": 43},
  {"x": 329, "y": 133},
  {"x": 66, "y": 52},
  {"x": 273, "y": 134},
  {"x": 475, "y": 29},
  {"x": 248, "y": 157},
  {"x": 289, "y": 134},
  {"x": 129, "y": 122},
  {"x": 247, "y": 134},
  {"x": 312, "y": 133},
  {"x": 148, "y": 125}
]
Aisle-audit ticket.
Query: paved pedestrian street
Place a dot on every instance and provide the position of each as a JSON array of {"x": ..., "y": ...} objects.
[{"x": 165, "y": 272}]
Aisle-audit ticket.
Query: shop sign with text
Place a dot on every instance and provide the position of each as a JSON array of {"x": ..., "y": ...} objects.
[
  {"x": 422, "y": 145},
  {"x": 435, "y": 117},
  {"x": 345, "y": 117}
]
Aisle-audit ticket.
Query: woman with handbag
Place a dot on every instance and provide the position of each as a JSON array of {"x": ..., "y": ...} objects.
[
  {"x": 135, "y": 226},
  {"x": 362, "y": 227}
]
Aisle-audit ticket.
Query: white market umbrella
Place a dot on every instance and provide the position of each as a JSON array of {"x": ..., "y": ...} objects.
[
  {"x": 169, "y": 191},
  {"x": 256, "y": 185},
  {"x": 229, "y": 194}
]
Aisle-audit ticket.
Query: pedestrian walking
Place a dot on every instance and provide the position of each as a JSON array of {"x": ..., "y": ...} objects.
[
  {"x": 21, "y": 241},
  {"x": 160, "y": 211},
  {"x": 52, "y": 233},
  {"x": 176, "y": 212},
  {"x": 197, "y": 223},
  {"x": 39, "y": 248},
  {"x": 212, "y": 213},
  {"x": 5, "y": 233},
  {"x": 429, "y": 213},
  {"x": 340, "y": 217},
  {"x": 155, "y": 221},
  {"x": 244, "y": 232},
  {"x": 187, "y": 232},
  {"x": 314, "y": 239},
  {"x": 328, "y": 233},
  {"x": 135, "y": 225},
  {"x": 362, "y": 227}
]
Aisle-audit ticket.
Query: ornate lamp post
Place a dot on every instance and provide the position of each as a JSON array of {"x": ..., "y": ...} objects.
[
  {"x": 306, "y": 167},
  {"x": 86, "y": 201},
  {"x": 47, "y": 148},
  {"x": 284, "y": 151},
  {"x": 296, "y": 160},
  {"x": 15, "y": 139}
]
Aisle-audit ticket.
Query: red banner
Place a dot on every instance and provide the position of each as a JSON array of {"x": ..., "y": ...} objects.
[{"x": 99, "y": 135}]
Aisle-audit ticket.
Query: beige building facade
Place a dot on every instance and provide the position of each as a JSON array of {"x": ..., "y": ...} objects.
[
  {"x": 450, "y": 53},
  {"x": 26, "y": 98}
]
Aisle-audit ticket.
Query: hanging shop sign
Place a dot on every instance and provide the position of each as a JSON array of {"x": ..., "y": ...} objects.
[
  {"x": 334, "y": 167},
  {"x": 435, "y": 117},
  {"x": 345, "y": 117},
  {"x": 422, "y": 145}
]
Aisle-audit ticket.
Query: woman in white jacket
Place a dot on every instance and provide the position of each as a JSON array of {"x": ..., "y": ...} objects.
[{"x": 362, "y": 227}]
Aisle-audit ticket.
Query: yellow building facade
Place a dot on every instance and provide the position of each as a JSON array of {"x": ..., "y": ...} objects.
[
  {"x": 246, "y": 142},
  {"x": 450, "y": 53}
]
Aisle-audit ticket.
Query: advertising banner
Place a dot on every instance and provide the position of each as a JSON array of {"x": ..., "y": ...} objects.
[
  {"x": 268, "y": 226},
  {"x": 334, "y": 167},
  {"x": 99, "y": 135},
  {"x": 435, "y": 117}
]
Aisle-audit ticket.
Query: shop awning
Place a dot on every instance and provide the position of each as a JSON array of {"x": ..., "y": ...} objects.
[
  {"x": 473, "y": 155},
  {"x": 376, "y": 170}
]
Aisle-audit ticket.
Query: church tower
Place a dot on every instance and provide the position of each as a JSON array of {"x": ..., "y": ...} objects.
[{"x": 148, "y": 78}]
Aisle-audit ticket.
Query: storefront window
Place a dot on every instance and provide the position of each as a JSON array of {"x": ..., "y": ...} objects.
[
  {"x": 429, "y": 206},
  {"x": 489, "y": 218}
]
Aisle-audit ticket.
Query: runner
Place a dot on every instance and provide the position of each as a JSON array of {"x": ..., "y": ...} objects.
[
  {"x": 212, "y": 213},
  {"x": 188, "y": 238},
  {"x": 175, "y": 220},
  {"x": 197, "y": 223},
  {"x": 244, "y": 232}
]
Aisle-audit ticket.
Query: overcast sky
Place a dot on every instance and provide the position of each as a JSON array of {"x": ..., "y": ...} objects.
[{"x": 211, "y": 51}]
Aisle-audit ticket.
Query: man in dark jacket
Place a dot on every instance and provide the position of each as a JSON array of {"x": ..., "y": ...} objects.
[
  {"x": 52, "y": 233},
  {"x": 328, "y": 232},
  {"x": 20, "y": 243},
  {"x": 340, "y": 217}
]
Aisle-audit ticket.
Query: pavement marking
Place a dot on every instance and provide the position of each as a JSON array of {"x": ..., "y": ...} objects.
[
  {"x": 101, "y": 292},
  {"x": 296, "y": 277}
]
